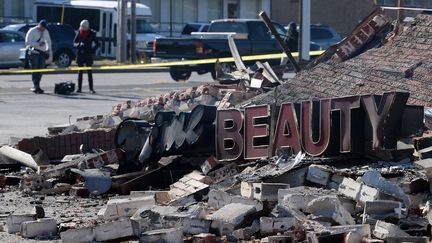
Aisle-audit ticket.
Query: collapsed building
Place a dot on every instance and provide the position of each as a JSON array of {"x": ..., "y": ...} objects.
[{"x": 339, "y": 153}]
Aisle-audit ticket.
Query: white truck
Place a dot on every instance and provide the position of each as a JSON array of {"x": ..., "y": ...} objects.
[{"x": 102, "y": 16}]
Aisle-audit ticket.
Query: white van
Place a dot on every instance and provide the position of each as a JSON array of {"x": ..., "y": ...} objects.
[{"x": 102, "y": 16}]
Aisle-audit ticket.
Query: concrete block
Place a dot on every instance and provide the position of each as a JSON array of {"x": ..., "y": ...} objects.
[
  {"x": 246, "y": 233},
  {"x": 14, "y": 220},
  {"x": 124, "y": 207},
  {"x": 385, "y": 210},
  {"x": 294, "y": 178},
  {"x": 231, "y": 216},
  {"x": 384, "y": 230},
  {"x": 218, "y": 199},
  {"x": 330, "y": 209},
  {"x": 269, "y": 226},
  {"x": 160, "y": 196},
  {"x": 80, "y": 235},
  {"x": 246, "y": 189},
  {"x": 267, "y": 191},
  {"x": 191, "y": 219},
  {"x": 410, "y": 239},
  {"x": 350, "y": 188},
  {"x": 322, "y": 237},
  {"x": 40, "y": 227},
  {"x": 374, "y": 179},
  {"x": 319, "y": 174},
  {"x": 114, "y": 230},
  {"x": 299, "y": 197},
  {"x": 173, "y": 235},
  {"x": 368, "y": 193},
  {"x": 357, "y": 191},
  {"x": 364, "y": 230},
  {"x": 279, "y": 239},
  {"x": 204, "y": 238}
]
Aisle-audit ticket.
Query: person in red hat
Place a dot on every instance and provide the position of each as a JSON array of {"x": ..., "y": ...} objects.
[{"x": 86, "y": 43}]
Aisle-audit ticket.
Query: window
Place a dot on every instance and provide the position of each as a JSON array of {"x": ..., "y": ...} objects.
[
  {"x": 251, "y": 9},
  {"x": 1, "y": 9},
  {"x": 205, "y": 28},
  {"x": 412, "y": 3},
  {"x": 189, "y": 28},
  {"x": 17, "y": 8},
  {"x": 215, "y": 9},
  {"x": 258, "y": 31},
  {"x": 320, "y": 34},
  {"x": 155, "y": 6},
  {"x": 10, "y": 37},
  {"x": 387, "y": 2},
  {"x": 228, "y": 27},
  {"x": 184, "y": 11},
  {"x": 142, "y": 26},
  {"x": 72, "y": 16}
]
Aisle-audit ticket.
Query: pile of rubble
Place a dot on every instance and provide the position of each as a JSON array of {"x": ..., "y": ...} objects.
[{"x": 187, "y": 169}]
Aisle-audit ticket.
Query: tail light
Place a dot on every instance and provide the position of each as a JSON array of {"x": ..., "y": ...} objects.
[
  {"x": 199, "y": 47},
  {"x": 154, "y": 47}
]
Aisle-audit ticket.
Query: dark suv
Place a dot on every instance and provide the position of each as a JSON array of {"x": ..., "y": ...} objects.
[{"x": 62, "y": 36}]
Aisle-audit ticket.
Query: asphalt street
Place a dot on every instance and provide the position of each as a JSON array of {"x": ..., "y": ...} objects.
[{"x": 24, "y": 114}]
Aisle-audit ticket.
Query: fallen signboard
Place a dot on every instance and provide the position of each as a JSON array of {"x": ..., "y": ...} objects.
[{"x": 341, "y": 125}]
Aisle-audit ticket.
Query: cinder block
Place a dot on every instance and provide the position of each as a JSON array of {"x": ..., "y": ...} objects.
[
  {"x": 269, "y": 226},
  {"x": 319, "y": 174},
  {"x": 299, "y": 197},
  {"x": 124, "y": 207},
  {"x": 350, "y": 188},
  {"x": 113, "y": 230},
  {"x": 15, "y": 219},
  {"x": 330, "y": 209},
  {"x": 410, "y": 239},
  {"x": 267, "y": 191},
  {"x": 246, "y": 233},
  {"x": 385, "y": 210},
  {"x": 364, "y": 230},
  {"x": 357, "y": 191},
  {"x": 173, "y": 235},
  {"x": 204, "y": 238},
  {"x": 80, "y": 235},
  {"x": 231, "y": 216},
  {"x": 374, "y": 179},
  {"x": 384, "y": 230},
  {"x": 40, "y": 227},
  {"x": 246, "y": 189},
  {"x": 218, "y": 199}
]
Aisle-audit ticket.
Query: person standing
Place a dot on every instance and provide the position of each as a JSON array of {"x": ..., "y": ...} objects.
[
  {"x": 38, "y": 44},
  {"x": 84, "y": 41},
  {"x": 292, "y": 37}
]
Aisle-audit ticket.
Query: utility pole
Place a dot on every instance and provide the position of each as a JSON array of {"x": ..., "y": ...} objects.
[
  {"x": 399, "y": 11},
  {"x": 121, "y": 51},
  {"x": 171, "y": 18},
  {"x": 133, "y": 31},
  {"x": 305, "y": 15}
]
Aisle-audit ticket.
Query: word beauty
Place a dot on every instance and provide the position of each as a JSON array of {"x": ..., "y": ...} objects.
[{"x": 312, "y": 126}]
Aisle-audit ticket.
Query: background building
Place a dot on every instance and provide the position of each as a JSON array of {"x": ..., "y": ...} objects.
[
  {"x": 343, "y": 15},
  {"x": 184, "y": 11}
]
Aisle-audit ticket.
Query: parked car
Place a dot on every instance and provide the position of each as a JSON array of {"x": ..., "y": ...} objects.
[
  {"x": 322, "y": 35},
  {"x": 195, "y": 27},
  {"x": 10, "y": 44},
  {"x": 63, "y": 51},
  {"x": 252, "y": 38}
]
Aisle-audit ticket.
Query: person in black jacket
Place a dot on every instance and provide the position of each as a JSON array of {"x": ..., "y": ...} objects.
[
  {"x": 85, "y": 50},
  {"x": 292, "y": 37}
]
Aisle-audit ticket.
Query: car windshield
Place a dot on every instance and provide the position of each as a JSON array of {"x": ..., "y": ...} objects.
[{"x": 142, "y": 26}]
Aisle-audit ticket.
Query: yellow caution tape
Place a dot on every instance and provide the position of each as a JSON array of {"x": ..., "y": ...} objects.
[{"x": 162, "y": 64}]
